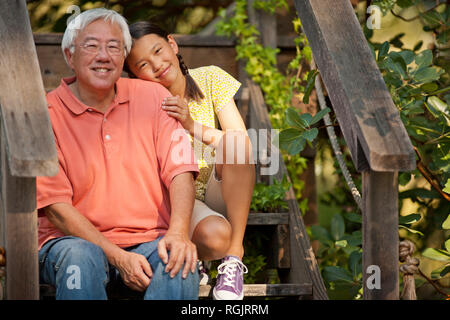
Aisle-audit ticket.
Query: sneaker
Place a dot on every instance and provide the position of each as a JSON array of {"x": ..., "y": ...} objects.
[
  {"x": 230, "y": 279},
  {"x": 204, "y": 278}
]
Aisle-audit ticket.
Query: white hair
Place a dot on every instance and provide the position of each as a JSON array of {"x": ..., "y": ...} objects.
[{"x": 84, "y": 19}]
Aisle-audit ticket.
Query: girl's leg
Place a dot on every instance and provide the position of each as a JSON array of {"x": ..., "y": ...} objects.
[
  {"x": 235, "y": 169},
  {"x": 212, "y": 234}
]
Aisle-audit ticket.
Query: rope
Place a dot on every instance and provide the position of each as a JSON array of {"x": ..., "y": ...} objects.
[
  {"x": 335, "y": 144},
  {"x": 408, "y": 268}
]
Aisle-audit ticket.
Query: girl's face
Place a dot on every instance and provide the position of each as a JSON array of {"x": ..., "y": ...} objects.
[{"x": 155, "y": 59}]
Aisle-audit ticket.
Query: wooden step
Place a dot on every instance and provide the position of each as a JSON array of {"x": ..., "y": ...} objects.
[
  {"x": 270, "y": 218},
  {"x": 205, "y": 291},
  {"x": 266, "y": 290}
]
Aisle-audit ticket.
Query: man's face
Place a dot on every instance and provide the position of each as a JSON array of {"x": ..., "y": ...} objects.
[{"x": 96, "y": 60}]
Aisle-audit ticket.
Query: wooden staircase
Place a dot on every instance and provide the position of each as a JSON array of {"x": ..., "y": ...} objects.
[{"x": 24, "y": 102}]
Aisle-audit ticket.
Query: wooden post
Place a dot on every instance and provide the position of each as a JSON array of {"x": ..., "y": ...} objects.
[
  {"x": 380, "y": 235},
  {"x": 19, "y": 221},
  {"x": 27, "y": 149}
]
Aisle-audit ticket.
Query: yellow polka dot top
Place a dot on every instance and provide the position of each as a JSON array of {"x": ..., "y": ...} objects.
[{"x": 219, "y": 88}]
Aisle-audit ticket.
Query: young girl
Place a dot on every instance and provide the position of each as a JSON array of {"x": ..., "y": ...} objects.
[{"x": 201, "y": 98}]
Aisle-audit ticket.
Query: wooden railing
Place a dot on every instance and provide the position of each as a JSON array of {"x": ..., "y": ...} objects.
[
  {"x": 27, "y": 149},
  {"x": 373, "y": 131}
]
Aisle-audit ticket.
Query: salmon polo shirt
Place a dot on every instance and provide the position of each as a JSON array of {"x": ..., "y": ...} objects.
[{"x": 115, "y": 167}]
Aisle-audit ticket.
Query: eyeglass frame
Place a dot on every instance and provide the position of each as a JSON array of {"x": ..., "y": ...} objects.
[{"x": 99, "y": 46}]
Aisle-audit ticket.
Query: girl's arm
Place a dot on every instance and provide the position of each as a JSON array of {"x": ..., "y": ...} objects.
[{"x": 229, "y": 119}]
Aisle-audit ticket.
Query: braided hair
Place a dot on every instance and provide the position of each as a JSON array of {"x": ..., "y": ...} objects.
[{"x": 143, "y": 28}]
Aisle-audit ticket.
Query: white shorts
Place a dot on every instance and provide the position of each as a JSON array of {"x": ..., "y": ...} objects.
[{"x": 214, "y": 205}]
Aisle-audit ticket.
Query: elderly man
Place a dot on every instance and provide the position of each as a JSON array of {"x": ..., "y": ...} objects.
[{"x": 120, "y": 206}]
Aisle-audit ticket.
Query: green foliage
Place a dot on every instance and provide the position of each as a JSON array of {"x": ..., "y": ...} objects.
[
  {"x": 340, "y": 256},
  {"x": 178, "y": 16},
  {"x": 440, "y": 254},
  {"x": 270, "y": 198},
  {"x": 294, "y": 139}
]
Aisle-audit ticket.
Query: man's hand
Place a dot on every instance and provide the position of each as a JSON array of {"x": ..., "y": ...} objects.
[
  {"x": 181, "y": 250},
  {"x": 135, "y": 270}
]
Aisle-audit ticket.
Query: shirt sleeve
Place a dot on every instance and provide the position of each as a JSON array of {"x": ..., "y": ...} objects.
[
  {"x": 223, "y": 87},
  {"x": 54, "y": 189},
  {"x": 173, "y": 147}
]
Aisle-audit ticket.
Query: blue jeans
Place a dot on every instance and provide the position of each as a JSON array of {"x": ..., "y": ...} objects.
[{"x": 80, "y": 271}]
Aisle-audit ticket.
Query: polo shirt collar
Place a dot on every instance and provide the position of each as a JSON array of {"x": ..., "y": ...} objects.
[{"x": 78, "y": 107}]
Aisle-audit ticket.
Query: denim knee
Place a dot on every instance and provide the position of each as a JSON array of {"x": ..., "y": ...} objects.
[
  {"x": 163, "y": 287},
  {"x": 78, "y": 268}
]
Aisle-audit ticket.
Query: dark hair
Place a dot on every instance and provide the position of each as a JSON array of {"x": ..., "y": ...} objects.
[{"x": 143, "y": 28}]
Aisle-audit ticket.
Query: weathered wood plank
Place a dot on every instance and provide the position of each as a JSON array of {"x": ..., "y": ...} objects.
[
  {"x": 19, "y": 231},
  {"x": 363, "y": 105},
  {"x": 29, "y": 137},
  {"x": 380, "y": 235},
  {"x": 282, "y": 247},
  {"x": 283, "y": 41},
  {"x": 267, "y": 218},
  {"x": 266, "y": 290}
]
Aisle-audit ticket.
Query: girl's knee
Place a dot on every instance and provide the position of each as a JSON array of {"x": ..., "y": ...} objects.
[{"x": 213, "y": 235}]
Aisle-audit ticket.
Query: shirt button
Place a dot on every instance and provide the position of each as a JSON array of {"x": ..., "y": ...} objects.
[{"x": 108, "y": 137}]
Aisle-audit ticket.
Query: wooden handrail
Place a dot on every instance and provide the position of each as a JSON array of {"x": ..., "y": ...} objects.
[
  {"x": 366, "y": 113},
  {"x": 286, "y": 42}
]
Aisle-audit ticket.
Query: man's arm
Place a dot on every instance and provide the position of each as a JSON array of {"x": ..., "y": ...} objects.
[
  {"x": 134, "y": 268},
  {"x": 176, "y": 240}
]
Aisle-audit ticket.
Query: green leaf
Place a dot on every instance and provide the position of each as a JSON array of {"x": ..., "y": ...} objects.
[
  {"x": 291, "y": 141},
  {"x": 405, "y": 3},
  {"x": 307, "y": 117},
  {"x": 407, "y": 55},
  {"x": 353, "y": 217},
  {"x": 319, "y": 115},
  {"x": 409, "y": 219},
  {"x": 334, "y": 273},
  {"x": 290, "y": 134},
  {"x": 341, "y": 243},
  {"x": 446, "y": 223},
  {"x": 447, "y": 245},
  {"x": 337, "y": 227},
  {"x": 436, "y": 254},
  {"x": 411, "y": 230},
  {"x": 424, "y": 59},
  {"x": 293, "y": 119},
  {"x": 383, "y": 51},
  {"x": 419, "y": 193},
  {"x": 397, "y": 67},
  {"x": 355, "y": 263},
  {"x": 404, "y": 178},
  {"x": 437, "y": 107},
  {"x": 311, "y": 134},
  {"x": 353, "y": 240},
  {"x": 427, "y": 74},
  {"x": 309, "y": 85},
  {"x": 320, "y": 233},
  {"x": 440, "y": 272},
  {"x": 418, "y": 46},
  {"x": 429, "y": 87}
]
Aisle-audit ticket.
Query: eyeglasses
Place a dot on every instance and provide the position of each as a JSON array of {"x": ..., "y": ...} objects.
[{"x": 94, "y": 48}]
